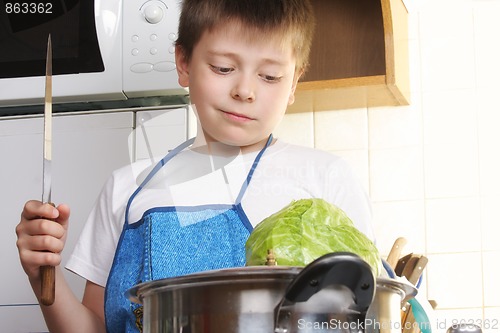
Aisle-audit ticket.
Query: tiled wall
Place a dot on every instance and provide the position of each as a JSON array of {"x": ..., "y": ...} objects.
[{"x": 432, "y": 168}]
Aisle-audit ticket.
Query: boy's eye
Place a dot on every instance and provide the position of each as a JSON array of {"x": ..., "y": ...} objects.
[
  {"x": 271, "y": 78},
  {"x": 221, "y": 70}
]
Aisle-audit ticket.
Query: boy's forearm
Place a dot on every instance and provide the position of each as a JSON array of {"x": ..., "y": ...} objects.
[{"x": 67, "y": 313}]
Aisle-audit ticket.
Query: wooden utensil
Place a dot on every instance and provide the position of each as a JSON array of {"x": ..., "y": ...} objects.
[
  {"x": 418, "y": 268},
  {"x": 409, "y": 323},
  {"x": 410, "y": 266},
  {"x": 395, "y": 252}
]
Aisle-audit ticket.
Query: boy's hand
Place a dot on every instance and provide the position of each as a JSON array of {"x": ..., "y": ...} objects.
[{"x": 41, "y": 235}]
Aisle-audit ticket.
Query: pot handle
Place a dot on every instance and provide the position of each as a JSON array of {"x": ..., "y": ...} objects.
[{"x": 339, "y": 268}]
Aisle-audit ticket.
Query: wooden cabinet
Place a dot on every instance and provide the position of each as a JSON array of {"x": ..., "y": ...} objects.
[{"x": 359, "y": 56}]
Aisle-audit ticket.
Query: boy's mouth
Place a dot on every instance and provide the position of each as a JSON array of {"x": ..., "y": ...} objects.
[{"x": 236, "y": 116}]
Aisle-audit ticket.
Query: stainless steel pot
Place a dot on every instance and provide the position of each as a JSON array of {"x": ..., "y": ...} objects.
[
  {"x": 332, "y": 294},
  {"x": 384, "y": 314}
]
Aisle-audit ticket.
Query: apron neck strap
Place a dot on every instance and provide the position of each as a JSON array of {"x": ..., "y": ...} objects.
[
  {"x": 157, "y": 167},
  {"x": 252, "y": 169},
  {"x": 178, "y": 149}
]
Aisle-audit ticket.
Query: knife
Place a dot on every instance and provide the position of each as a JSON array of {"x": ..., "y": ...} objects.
[{"x": 47, "y": 272}]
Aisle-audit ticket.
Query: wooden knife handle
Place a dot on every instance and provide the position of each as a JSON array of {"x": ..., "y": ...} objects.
[
  {"x": 48, "y": 278},
  {"x": 395, "y": 252},
  {"x": 48, "y": 275}
]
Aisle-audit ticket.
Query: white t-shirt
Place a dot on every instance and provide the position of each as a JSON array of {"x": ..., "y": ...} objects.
[{"x": 285, "y": 173}]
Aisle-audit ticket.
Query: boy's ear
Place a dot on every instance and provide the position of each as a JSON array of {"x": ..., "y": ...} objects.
[
  {"x": 291, "y": 97},
  {"x": 182, "y": 67}
]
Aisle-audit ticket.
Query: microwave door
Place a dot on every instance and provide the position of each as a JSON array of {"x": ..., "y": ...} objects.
[
  {"x": 87, "y": 52},
  {"x": 24, "y": 27}
]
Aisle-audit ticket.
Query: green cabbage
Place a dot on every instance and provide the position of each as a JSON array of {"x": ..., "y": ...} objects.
[{"x": 305, "y": 230}]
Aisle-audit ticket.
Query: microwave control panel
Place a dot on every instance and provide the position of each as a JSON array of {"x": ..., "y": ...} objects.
[{"x": 149, "y": 35}]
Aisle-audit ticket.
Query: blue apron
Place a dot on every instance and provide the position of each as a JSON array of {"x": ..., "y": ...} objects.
[{"x": 158, "y": 246}]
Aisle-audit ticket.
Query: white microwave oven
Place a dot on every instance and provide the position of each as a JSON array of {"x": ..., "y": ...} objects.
[{"x": 102, "y": 50}]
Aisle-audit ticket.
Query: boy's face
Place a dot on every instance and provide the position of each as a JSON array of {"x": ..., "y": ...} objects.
[{"x": 240, "y": 84}]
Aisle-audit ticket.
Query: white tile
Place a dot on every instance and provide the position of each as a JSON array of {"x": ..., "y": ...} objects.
[
  {"x": 453, "y": 225},
  {"x": 358, "y": 160},
  {"x": 391, "y": 127},
  {"x": 490, "y": 223},
  {"x": 415, "y": 69},
  {"x": 485, "y": 14},
  {"x": 417, "y": 6},
  {"x": 395, "y": 219},
  {"x": 341, "y": 130},
  {"x": 491, "y": 272},
  {"x": 447, "y": 64},
  {"x": 441, "y": 6},
  {"x": 297, "y": 128},
  {"x": 396, "y": 174},
  {"x": 412, "y": 23},
  {"x": 488, "y": 114},
  {"x": 487, "y": 48},
  {"x": 450, "y": 117},
  {"x": 410, "y": 6},
  {"x": 446, "y": 46},
  {"x": 489, "y": 4},
  {"x": 489, "y": 141},
  {"x": 451, "y": 170},
  {"x": 446, "y": 19},
  {"x": 491, "y": 320},
  {"x": 455, "y": 280}
]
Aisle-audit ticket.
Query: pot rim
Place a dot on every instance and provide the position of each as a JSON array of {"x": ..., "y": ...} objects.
[
  {"x": 406, "y": 289},
  {"x": 245, "y": 274}
]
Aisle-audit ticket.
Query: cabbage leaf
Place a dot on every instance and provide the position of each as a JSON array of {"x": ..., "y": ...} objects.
[{"x": 305, "y": 230}]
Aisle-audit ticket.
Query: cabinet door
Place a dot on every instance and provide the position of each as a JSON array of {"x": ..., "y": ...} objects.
[
  {"x": 359, "y": 57},
  {"x": 158, "y": 131},
  {"x": 86, "y": 148}
]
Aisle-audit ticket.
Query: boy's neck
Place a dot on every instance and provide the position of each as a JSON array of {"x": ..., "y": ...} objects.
[{"x": 212, "y": 147}]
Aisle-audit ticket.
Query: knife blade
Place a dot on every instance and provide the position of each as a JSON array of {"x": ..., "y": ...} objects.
[
  {"x": 47, "y": 128},
  {"x": 47, "y": 272}
]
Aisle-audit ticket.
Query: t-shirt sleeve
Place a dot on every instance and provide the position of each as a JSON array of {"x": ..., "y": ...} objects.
[{"x": 346, "y": 191}]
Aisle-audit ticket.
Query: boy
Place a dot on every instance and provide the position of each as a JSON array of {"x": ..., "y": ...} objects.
[{"x": 241, "y": 60}]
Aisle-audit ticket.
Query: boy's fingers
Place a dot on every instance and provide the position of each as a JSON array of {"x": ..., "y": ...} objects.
[
  {"x": 35, "y": 209},
  {"x": 40, "y": 258},
  {"x": 46, "y": 243},
  {"x": 64, "y": 212},
  {"x": 49, "y": 227}
]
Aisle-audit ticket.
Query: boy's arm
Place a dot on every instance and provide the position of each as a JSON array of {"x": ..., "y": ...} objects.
[
  {"x": 41, "y": 236},
  {"x": 68, "y": 314}
]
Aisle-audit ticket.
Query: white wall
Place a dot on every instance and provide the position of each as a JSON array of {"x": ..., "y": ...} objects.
[{"x": 431, "y": 168}]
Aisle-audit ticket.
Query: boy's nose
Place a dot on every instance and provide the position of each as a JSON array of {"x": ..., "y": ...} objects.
[{"x": 244, "y": 90}]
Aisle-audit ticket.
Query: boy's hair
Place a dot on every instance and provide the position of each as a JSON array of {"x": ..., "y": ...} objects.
[{"x": 292, "y": 20}]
